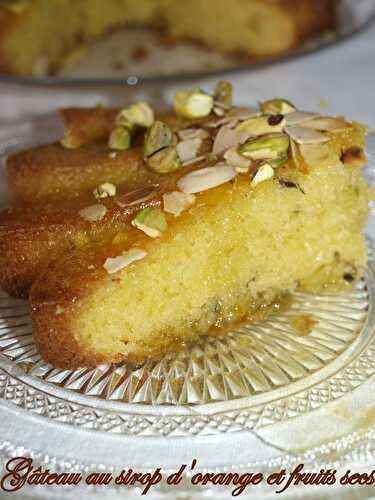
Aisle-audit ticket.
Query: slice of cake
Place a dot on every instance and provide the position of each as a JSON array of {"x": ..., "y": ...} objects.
[
  {"x": 36, "y": 35},
  {"x": 249, "y": 205}
]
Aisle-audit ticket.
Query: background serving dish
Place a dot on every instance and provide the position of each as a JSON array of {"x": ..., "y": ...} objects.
[{"x": 134, "y": 56}]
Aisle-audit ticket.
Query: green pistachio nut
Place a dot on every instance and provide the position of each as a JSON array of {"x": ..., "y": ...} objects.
[
  {"x": 120, "y": 138},
  {"x": 223, "y": 92},
  {"x": 164, "y": 161},
  {"x": 151, "y": 221},
  {"x": 139, "y": 114},
  {"x": 157, "y": 137},
  {"x": 105, "y": 190},
  {"x": 277, "y": 107},
  {"x": 270, "y": 147},
  {"x": 193, "y": 103}
]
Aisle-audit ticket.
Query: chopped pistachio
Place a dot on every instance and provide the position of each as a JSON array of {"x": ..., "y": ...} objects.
[
  {"x": 157, "y": 137},
  {"x": 120, "y": 138},
  {"x": 193, "y": 103},
  {"x": 277, "y": 107},
  {"x": 273, "y": 147},
  {"x": 259, "y": 125},
  {"x": 140, "y": 114},
  {"x": 223, "y": 92},
  {"x": 176, "y": 202},
  {"x": 105, "y": 190},
  {"x": 264, "y": 173},
  {"x": 164, "y": 161},
  {"x": 151, "y": 221}
]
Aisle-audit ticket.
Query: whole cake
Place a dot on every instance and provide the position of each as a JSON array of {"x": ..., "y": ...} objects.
[
  {"x": 35, "y": 35},
  {"x": 168, "y": 227}
]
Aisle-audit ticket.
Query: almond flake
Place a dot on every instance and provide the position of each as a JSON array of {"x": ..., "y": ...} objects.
[
  {"x": 218, "y": 111},
  {"x": 206, "y": 178},
  {"x": 176, "y": 202},
  {"x": 193, "y": 133},
  {"x": 303, "y": 135},
  {"x": 194, "y": 160},
  {"x": 113, "y": 265},
  {"x": 93, "y": 213},
  {"x": 326, "y": 124},
  {"x": 237, "y": 161},
  {"x": 297, "y": 117},
  {"x": 264, "y": 173},
  {"x": 188, "y": 150},
  {"x": 226, "y": 138}
]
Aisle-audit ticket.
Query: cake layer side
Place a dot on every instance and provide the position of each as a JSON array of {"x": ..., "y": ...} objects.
[
  {"x": 236, "y": 248},
  {"x": 56, "y": 173}
]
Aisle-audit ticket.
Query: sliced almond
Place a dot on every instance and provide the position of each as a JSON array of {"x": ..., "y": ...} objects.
[
  {"x": 193, "y": 133},
  {"x": 264, "y": 173},
  {"x": 188, "y": 150},
  {"x": 93, "y": 213},
  {"x": 303, "y": 135},
  {"x": 194, "y": 160},
  {"x": 113, "y": 265},
  {"x": 176, "y": 202},
  {"x": 206, "y": 178},
  {"x": 237, "y": 161},
  {"x": 218, "y": 111},
  {"x": 327, "y": 124},
  {"x": 225, "y": 139},
  {"x": 297, "y": 117},
  {"x": 242, "y": 113},
  {"x": 259, "y": 125},
  {"x": 137, "y": 196}
]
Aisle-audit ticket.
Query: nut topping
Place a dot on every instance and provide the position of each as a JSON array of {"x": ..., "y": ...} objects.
[
  {"x": 93, "y": 213},
  {"x": 273, "y": 147},
  {"x": 176, "y": 202},
  {"x": 264, "y": 173},
  {"x": 193, "y": 103},
  {"x": 188, "y": 150},
  {"x": 157, "y": 137},
  {"x": 326, "y": 124},
  {"x": 164, "y": 161},
  {"x": 151, "y": 221},
  {"x": 237, "y": 161},
  {"x": 277, "y": 107},
  {"x": 105, "y": 190},
  {"x": 298, "y": 117},
  {"x": 113, "y": 265},
  {"x": 260, "y": 125},
  {"x": 206, "y": 178},
  {"x": 120, "y": 138},
  {"x": 223, "y": 92},
  {"x": 303, "y": 135},
  {"x": 139, "y": 114}
]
